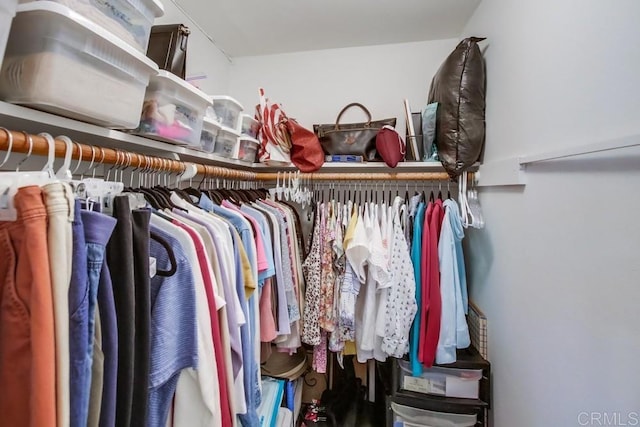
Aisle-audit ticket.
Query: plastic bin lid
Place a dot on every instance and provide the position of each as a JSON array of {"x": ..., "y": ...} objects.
[
  {"x": 229, "y": 130},
  {"x": 54, "y": 10},
  {"x": 226, "y": 98},
  {"x": 212, "y": 123},
  {"x": 157, "y": 7},
  {"x": 166, "y": 75},
  {"x": 249, "y": 138},
  {"x": 8, "y": 7}
]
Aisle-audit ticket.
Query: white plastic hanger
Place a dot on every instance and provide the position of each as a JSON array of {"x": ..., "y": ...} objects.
[
  {"x": 10, "y": 137},
  {"x": 48, "y": 167},
  {"x": 10, "y": 182},
  {"x": 64, "y": 173},
  {"x": 190, "y": 171}
]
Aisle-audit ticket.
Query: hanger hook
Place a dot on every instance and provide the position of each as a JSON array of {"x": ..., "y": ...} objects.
[
  {"x": 29, "y": 138},
  {"x": 64, "y": 172},
  {"x": 48, "y": 167},
  {"x": 10, "y": 138},
  {"x": 77, "y": 144},
  {"x": 93, "y": 158}
]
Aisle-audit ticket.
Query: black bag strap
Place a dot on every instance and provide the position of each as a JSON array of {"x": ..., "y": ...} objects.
[{"x": 354, "y": 104}]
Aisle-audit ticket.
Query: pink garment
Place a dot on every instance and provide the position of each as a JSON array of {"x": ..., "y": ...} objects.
[
  {"x": 268, "y": 330},
  {"x": 320, "y": 354}
]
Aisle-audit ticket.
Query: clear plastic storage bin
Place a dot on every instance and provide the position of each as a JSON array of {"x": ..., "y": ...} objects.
[
  {"x": 227, "y": 111},
  {"x": 247, "y": 148},
  {"x": 450, "y": 382},
  {"x": 129, "y": 20},
  {"x": 7, "y": 12},
  {"x": 413, "y": 417},
  {"x": 226, "y": 143},
  {"x": 210, "y": 129},
  {"x": 249, "y": 126},
  {"x": 58, "y": 61},
  {"x": 173, "y": 111}
]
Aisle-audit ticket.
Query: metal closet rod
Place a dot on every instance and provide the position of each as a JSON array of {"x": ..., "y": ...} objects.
[{"x": 131, "y": 159}]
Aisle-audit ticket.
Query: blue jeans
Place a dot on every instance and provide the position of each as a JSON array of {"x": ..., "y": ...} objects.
[
  {"x": 80, "y": 363},
  {"x": 97, "y": 231},
  {"x": 91, "y": 231}
]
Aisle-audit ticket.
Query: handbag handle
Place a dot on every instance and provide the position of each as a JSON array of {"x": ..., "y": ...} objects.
[{"x": 354, "y": 104}]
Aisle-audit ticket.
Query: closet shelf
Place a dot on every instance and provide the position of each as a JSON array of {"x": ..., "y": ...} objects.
[
  {"x": 19, "y": 118},
  {"x": 16, "y": 117}
]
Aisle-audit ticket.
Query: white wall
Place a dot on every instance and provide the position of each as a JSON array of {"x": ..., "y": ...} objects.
[
  {"x": 314, "y": 86},
  {"x": 203, "y": 57},
  {"x": 557, "y": 269}
]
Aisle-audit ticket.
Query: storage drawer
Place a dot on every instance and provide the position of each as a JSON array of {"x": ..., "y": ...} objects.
[
  {"x": 407, "y": 416},
  {"x": 450, "y": 382}
]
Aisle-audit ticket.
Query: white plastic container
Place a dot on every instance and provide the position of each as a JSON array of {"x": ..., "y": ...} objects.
[
  {"x": 7, "y": 12},
  {"x": 450, "y": 382},
  {"x": 249, "y": 126},
  {"x": 415, "y": 417},
  {"x": 210, "y": 130},
  {"x": 129, "y": 20},
  {"x": 58, "y": 61},
  {"x": 227, "y": 111},
  {"x": 173, "y": 111},
  {"x": 247, "y": 148},
  {"x": 226, "y": 143}
]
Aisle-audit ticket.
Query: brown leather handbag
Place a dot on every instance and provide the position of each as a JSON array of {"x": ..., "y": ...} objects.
[
  {"x": 168, "y": 48},
  {"x": 352, "y": 138}
]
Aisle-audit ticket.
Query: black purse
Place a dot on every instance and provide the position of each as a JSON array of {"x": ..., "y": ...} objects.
[
  {"x": 352, "y": 138},
  {"x": 168, "y": 48}
]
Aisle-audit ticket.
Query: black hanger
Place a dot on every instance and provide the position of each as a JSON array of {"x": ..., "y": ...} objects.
[
  {"x": 170, "y": 254},
  {"x": 194, "y": 192}
]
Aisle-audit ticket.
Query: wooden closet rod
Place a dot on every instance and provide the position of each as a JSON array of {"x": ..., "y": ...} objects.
[
  {"x": 100, "y": 155},
  {"x": 360, "y": 176},
  {"x": 38, "y": 145}
]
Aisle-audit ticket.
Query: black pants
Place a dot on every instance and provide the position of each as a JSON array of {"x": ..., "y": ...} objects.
[
  {"x": 128, "y": 260},
  {"x": 142, "y": 285},
  {"x": 120, "y": 261}
]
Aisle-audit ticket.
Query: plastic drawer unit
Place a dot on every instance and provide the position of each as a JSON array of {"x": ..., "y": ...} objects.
[
  {"x": 7, "y": 12},
  {"x": 59, "y": 61},
  {"x": 227, "y": 111},
  {"x": 129, "y": 20},
  {"x": 173, "y": 111}
]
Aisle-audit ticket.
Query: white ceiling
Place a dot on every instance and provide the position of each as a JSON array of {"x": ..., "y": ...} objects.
[{"x": 262, "y": 27}]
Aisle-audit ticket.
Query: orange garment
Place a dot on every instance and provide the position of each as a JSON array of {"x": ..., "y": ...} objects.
[{"x": 27, "y": 344}]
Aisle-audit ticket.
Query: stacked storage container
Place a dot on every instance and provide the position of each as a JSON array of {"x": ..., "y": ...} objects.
[
  {"x": 129, "y": 20},
  {"x": 173, "y": 111},
  {"x": 59, "y": 61},
  {"x": 7, "y": 12},
  {"x": 247, "y": 143}
]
